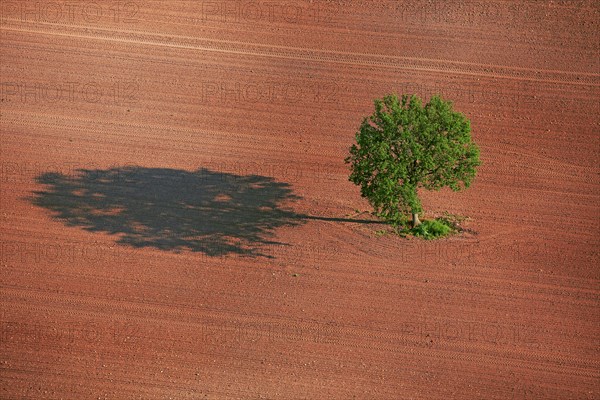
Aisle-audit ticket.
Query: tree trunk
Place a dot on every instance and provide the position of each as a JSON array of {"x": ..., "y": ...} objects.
[{"x": 415, "y": 219}]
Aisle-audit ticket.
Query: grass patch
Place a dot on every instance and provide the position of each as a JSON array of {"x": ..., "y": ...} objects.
[
  {"x": 433, "y": 229},
  {"x": 429, "y": 229}
]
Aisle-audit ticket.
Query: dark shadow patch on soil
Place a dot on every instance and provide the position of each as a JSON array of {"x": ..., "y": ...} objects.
[{"x": 215, "y": 213}]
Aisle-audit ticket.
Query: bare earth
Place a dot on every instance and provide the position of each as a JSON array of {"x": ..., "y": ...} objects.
[{"x": 177, "y": 223}]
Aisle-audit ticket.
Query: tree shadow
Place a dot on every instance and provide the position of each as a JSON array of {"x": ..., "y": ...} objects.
[{"x": 215, "y": 213}]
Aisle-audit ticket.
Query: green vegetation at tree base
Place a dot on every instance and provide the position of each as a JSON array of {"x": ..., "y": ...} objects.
[{"x": 432, "y": 229}]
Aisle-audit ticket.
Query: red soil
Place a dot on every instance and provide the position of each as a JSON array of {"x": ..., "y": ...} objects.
[{"x": 330, "y": 310}]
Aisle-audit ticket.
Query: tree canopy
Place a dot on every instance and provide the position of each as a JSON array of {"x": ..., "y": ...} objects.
[{"x": 405, "y": 145}]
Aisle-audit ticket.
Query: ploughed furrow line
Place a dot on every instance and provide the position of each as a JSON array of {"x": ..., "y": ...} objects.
[
  {"x": 180, "y": 138},
  {"x": 446, "y": 66},
  {"x": 519, "y": 95},
  {"x": 453, "y": 288},
  {"x": 386, "y": 340}
]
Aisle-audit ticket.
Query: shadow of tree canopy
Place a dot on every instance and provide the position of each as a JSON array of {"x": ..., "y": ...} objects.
[{"x": 203, "y": 211}]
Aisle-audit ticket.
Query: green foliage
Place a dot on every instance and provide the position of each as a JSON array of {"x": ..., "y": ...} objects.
[
  {"x": 405, "y": 146},
  {"x": 432, "y": 229}
]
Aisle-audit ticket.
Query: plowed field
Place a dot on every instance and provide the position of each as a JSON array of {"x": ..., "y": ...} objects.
[{"x": 177, "y": 220}]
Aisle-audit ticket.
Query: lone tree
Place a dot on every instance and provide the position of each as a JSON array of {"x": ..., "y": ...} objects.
[{"x": 405, "y": 146}]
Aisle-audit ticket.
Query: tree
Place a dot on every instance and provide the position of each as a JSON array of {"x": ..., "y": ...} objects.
[{"x": 405, "y": 146}]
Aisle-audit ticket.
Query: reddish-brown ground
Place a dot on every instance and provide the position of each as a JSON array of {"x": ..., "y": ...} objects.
[{"x": 108, "y": 292}]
